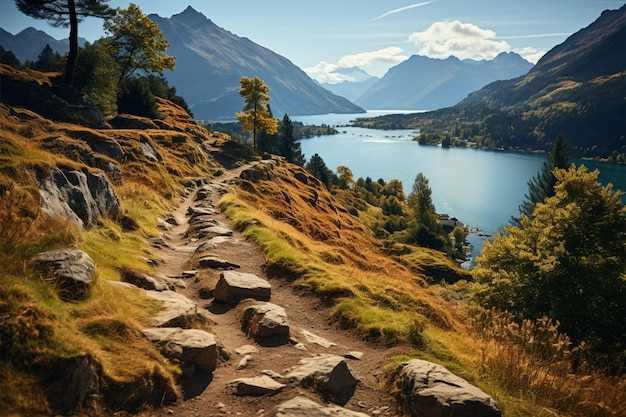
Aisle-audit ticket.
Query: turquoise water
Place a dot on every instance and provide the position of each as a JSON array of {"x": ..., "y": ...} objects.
[{"x": 483, "y": 189}]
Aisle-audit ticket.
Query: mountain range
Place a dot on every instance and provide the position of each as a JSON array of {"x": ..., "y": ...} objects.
[
  {"x": 577, "y": 90},
  {"x": 28, "y": 44},
  {"x": 210, "y": 62},
  {"x": 428, "y": 83}
]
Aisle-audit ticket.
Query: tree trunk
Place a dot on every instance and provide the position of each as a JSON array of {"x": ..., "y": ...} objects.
[{"x": 72, "y": 57}]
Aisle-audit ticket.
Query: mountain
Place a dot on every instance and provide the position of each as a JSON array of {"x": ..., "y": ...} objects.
[
  {"x": 355, "y": 82},
  {"x": 577, "y": 89},
  {"x": 427, "y": 83},
  {"x": 28, "y": 44},
  {"x": 210, "y": 62}
]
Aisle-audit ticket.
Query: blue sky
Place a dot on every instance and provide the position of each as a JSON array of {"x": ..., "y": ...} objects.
[{"x": 323, "y": 35}]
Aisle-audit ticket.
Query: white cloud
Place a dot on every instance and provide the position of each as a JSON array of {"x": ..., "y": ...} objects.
[
  {"x": 325, "y": 72},
  {"x": 402, "y": 9},
  {"x": 463, "y": 40}
]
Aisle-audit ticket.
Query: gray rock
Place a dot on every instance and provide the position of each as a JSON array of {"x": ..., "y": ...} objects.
[
  {"x": 233, "y": 287},
  {"x": 265, "y": 320},
  {"x": 191, "y": 346},
  {"x": 142, "y": 280},
  {"x": 149, "y": 152},
  {"x": 256, "y": 387},
  {"x": 328, "y": 374},
  {"x": 318, "y": 340},
  {"x": 216, "y": 263},
  {"x": 430, "y": 390},
  {"x": 73, "y": 271},
  {"x": 81, "y": 197},
  {"x": 210, "y": 232},
  {"x": 303, "y": 407},
  {"x": 176, "y": 310}
]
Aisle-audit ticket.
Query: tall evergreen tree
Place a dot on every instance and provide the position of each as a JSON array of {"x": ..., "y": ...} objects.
[
  {"x": 66, "y": 13},
  {"x": 541, "y": 186},
  {"x": 9, "y": 58},
  {"x": 47, "y": 60},
  {"x": 317, "y": 167},
  {"x": 290, "y": 148}
]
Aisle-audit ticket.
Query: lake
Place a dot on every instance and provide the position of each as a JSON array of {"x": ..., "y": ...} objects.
[{"x": 483, "y": 189}]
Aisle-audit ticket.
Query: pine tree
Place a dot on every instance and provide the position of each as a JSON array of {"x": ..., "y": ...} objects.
[
  {"x": 47, "y": 60},
  {"x": 541, "y": 186},
  {"x": 290, "y": 148},
  {"x": 318, "y": 168}
]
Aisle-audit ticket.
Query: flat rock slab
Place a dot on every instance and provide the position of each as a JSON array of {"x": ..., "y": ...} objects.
[
  {"x": 233, "y": 287},
  {"x": 191, "y": 346},
  {"x": 303, "y": 407},
  {"x": 216, "y": 263},
  {"x": 176, "y": 309},
  {"x": 259, "y": 386},
  {"x": 72, "y": 270},
  {"x": 430, "y": 390},
  {"x": 213, "y": 231},
  {"x": 328, "y": 374},
  {"x": 312, "y": 338},
  {"x": 265, "y": 320}
]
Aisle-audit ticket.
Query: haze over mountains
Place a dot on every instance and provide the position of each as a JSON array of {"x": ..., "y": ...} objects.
[{"x": 428, "y": 83}]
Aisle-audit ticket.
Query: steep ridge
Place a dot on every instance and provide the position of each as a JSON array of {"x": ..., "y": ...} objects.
[{"x": 210, "y": 61}]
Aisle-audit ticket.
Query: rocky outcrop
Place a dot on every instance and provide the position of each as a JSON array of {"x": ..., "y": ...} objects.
[
  {"x": 72, "y": 271},
  {"x": 190, "y": 346},
  {"x": 426, "y": 389},
  {"x": 265, "y": 320},
  {"x": 233, "y": 287},
  {"x": 328, "y": 374},
  {"x": 80, "y": 196},
  {"x": 303, "y": 407}
]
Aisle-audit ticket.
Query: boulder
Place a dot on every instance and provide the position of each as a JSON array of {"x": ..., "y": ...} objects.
[
  {"x": 73, "y": 271},
  {"x": 176, "y": 310},
  {"x": 265, "y": 320},
  {"x": 303, "y": 407},
  {"x": 256, "y": 387},
  {"x": 233, "y": 287},
  {"x": 190, "y": 346},
  {"x": 328, "y": 374},
  {"x": 81, "y": 197},
  {"x": 430, "y": 390}
]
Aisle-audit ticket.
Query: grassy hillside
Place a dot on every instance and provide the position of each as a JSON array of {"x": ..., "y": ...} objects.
[{"x": 310, "y": 240}]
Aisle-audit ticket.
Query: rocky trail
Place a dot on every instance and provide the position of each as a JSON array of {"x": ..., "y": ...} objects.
[{"x": 267, "y": 365}]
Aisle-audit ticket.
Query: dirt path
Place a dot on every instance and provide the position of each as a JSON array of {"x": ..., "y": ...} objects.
[{"x": 211, "y": 395}]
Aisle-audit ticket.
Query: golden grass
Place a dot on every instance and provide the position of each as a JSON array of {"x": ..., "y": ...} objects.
[{"x": 317, "y": 243}]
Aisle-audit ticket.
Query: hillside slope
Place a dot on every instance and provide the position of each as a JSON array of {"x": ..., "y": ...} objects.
[{"x": 210, "y": 61}]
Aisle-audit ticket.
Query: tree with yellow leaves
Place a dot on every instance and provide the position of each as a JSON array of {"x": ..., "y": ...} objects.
[
  {"x": 136, "y": 43},
  {"x": 567, "y": 261},
  {"x": 256, "y": 115}
]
